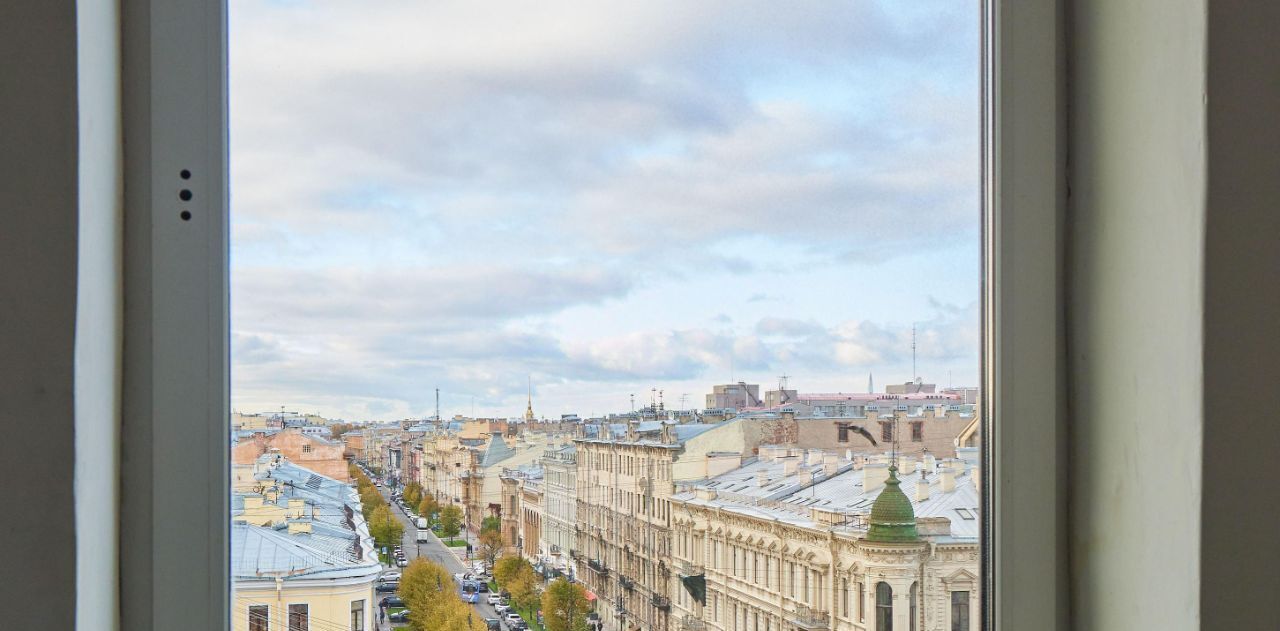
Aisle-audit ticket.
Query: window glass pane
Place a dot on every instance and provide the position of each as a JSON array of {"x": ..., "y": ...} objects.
[
  {"x": 299, "y": 618},
  {"x": 650, "y": 297},
  {"x": 259, "y": 617}
]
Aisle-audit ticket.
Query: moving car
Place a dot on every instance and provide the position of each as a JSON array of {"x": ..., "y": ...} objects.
[
  {"x": 402, "y": 562},
  {"x": 513, "y": 618},
  {"x": 493, "y": 623},
  {"x": 501, "y": 607}
]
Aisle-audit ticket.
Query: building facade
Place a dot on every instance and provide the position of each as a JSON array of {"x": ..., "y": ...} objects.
[
  {"x": 625, "y": 479},
  {"x": 302, "y": 556},
  {"x": 810, "y": 540},
  {"x": 559, "y": 504}
]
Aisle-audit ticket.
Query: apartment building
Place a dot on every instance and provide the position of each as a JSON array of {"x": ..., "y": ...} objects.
[
  {"x": 626, "y": 475},
  {"x": 559, "y": 504},
  {"x": 811, "y": 540},
  {"x": 315, "y": 452},
  {"x": 302, "y": 553}
]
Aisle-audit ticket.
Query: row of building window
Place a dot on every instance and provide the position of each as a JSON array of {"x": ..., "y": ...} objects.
[
  {"x": 746, "y": 619},
  {"x": 299, "y": 618}
]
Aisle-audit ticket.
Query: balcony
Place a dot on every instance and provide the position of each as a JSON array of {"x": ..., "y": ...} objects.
[
  {"x": 692, "y": 623},
  {"x": 598, "y": 567},
  {"x": 807, "y": 618},
  {"x": 662, "y": 602},
  {"x": 555, "y": 550},
  {"x": 575, "y": 555},
  {"x": 626, "y": 582}
]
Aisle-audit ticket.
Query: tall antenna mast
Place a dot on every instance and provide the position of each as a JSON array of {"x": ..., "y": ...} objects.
[
  {"x": 633, "y": 402},
  {"x": 914, "y": 373},
  {"x": 438, "y": 405}
]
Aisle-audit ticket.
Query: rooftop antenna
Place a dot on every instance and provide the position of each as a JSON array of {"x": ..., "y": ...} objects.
[
  {"x": 683, "y": 395},
  {"x": 473, "y": 403},
  {"x": 660, "y": 404}
]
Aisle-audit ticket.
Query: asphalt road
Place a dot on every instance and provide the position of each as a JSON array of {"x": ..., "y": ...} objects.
[{"x": 434, "y": 550}]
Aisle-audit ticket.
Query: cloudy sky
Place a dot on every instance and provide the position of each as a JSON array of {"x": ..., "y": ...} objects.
[{"x": 606, "y": 197}]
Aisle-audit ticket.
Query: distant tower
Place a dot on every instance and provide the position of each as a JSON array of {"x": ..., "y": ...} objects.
[
  {"x": 528, "y": 411},
  {"x": 871, "y": 384}
]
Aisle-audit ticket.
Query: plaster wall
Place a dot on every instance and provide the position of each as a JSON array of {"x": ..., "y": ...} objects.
[{"x": 1134, "y": 310}]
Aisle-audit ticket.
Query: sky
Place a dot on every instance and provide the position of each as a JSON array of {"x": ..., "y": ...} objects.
[{"x": 599, "y": 198}]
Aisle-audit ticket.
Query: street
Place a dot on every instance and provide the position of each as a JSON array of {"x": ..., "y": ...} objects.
[{"x": 434, "y": 550}]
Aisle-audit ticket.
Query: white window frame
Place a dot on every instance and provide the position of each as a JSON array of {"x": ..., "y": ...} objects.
[{"x": 175, "y": 454}]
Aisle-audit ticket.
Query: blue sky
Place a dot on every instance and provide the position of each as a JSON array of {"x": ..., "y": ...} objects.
[{"x": 608, "y": 197}]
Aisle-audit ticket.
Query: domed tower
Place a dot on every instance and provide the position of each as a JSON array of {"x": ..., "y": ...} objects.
[{"x": 892, "y": 518}]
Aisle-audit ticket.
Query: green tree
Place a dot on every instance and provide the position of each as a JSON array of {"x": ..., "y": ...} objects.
[
  {"x": 491, "y": 523},
  {"x": 428, "y": 508},
  {"x": 412, "y": 493},
  {"x": 565, "y": 606},
  {"x": 432, "y": 598},
  {"x": 450, "y": 521},
  {"x": 517, "y": 577},
  {"x": 490, "y": 546},
  {"x": 385, "y": 528},
  {"x": 338, "y": 429}
]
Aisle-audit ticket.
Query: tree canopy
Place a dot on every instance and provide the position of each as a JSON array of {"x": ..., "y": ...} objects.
[
  {"x": 491, "y": 523},
  {"x": 450, "y": 521},
  {"x": 431, "y": 595},
  {"x": 517, "y": 577},
  {"x": 385, "y": 528},
  {"x": 490, "y": 546},
  {"x": 565, "y": 606},
  {"x": 428, "y": 507}
]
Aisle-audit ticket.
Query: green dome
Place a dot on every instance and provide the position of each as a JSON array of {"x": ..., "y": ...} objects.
[{"x": 892, "y": 518}]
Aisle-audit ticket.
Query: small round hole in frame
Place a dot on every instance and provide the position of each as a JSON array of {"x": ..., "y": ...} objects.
[
  {"x": 185, "y": 174},
  {"x": 186, "y": 215},
  {"x": 185, "y": 195}
]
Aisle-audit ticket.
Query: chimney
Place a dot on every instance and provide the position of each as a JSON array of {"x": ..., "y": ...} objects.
[
  {"x": 929, "y": 463},
  {"x": 922, "y": 489},
  {"x": 830, "y": 462},
  {"x": 299, "y": 526},
  {"x": 762, "y": 480},
  {"x": 874, "y": 475},
  {"x": 789, "y": 465},
  {"x": 814, "y": 457},
  {"x": 946, "y": 477},
  {"x": 906, "y": 465},
  {"x": 296, "y": 507},
  {"x": 252, "y": 502}
]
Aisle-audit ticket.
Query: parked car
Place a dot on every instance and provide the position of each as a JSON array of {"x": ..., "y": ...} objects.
[
  {"x": 402, "y": 562},
  {"x": 399, "y": 616},
  {"x": 501, "y": 607},
  {"x": 391, "y": 575},
  {"x": 493, "y": 623},
  {"x": 391, "y": 601},
  {"x": 493, "y": 599},
  {"x": 389, "y": 586},
  {"x": 513, "y": 618}
]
